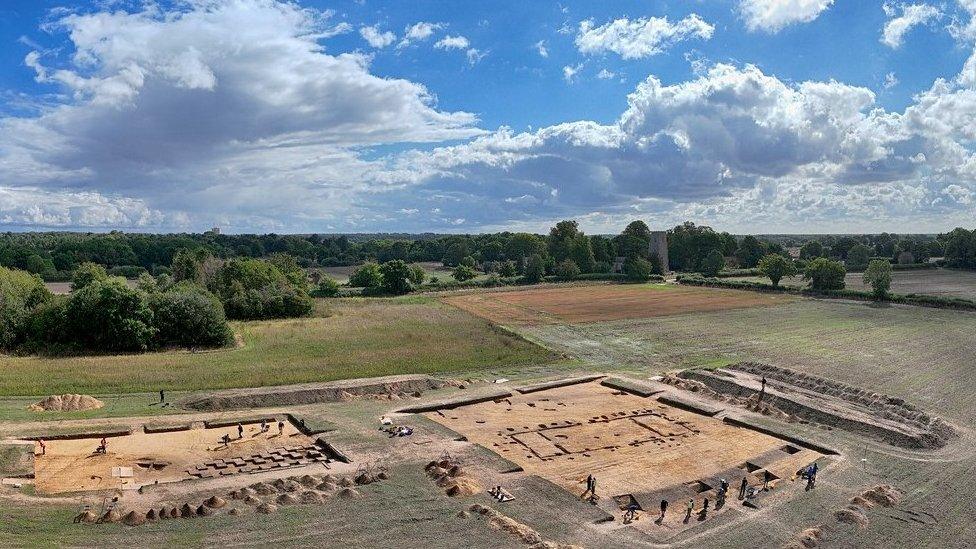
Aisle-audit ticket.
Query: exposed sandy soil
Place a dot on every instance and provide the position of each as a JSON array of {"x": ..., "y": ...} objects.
[
  {"x": 72, "y": 465},
  {"x": 604, "y": 302}
]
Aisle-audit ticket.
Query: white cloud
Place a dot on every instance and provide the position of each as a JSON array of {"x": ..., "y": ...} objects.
[
  {"x": 418, "y": 32},
  {"x": 231, "y": 99},
  {"x": 639, "y": 38},
  {"x": 774, "y": 15},
  {"x": 452, "y": 43},
  {"x": 570, "y": 72},
  {"x": 604, "y": 74},
  {"x": 375, "y": 38},
  {"x": 541, "y": 48},
  {"x": 911, "y": 16},
  {"x": 890, "y": 81}
]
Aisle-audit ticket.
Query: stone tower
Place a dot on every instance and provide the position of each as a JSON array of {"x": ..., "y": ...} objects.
[{"x": 659, "y": 247}]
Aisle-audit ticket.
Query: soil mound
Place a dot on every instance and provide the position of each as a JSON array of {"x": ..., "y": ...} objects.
[
  {"x": 174, "y": 513},
  {"x": 152, "y": 515},
  {"x": 346, "y": 482},
  {"x": 235, "y": 512},
  {"x": 364, "y": 478},
  {"x": 292, "y": 486},
  {"x": 187, "y": 512},
  {"x": 524, "y": 533},
  {"x": 134, "y": 519},
  {"x": 243, "y": 493},
  {"x": 464, "y": 486},
  {"x": 204, "y": 511},
  {"x": 164, "y": 513},
  {"x": 327, "y": 487},
  {"x": 251, "y": 500},
  {"x": 349, "y": 493},
  {"x": 287, "y": 499},
  {"x": 883, "y": 495},
  {"x": 852, "y": 515},
  {"x": 307, "y": 481},
  {"x": 267, "y": 508},
  {"x": 67, "y": 403},
  {"x": 311, "y": 496},
  {"x": 86, "y": 516},
  {"x": 111, "y": 516},
  {"x": 263, "y": 489},
  {"x": 215, "y": 502}
]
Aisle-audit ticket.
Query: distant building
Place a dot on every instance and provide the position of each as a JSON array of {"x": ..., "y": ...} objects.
[{"x": 659, "y": 248}]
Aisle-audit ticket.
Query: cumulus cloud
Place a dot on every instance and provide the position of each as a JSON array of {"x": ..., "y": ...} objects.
[
  {"x": 541, "y": 48},
  {"x": 773, "y": 15},
  {"x": 452, "y": 43},
  {"x": 911, "y": 16},
  {"x": 375, "y": 38},
  {"x": 418, "y": 32},
  {"x": 639, "y": 38},
  {"x": 732, "y": 144},
  {"x": 570, "y": 72},
  {"x": 208, "y": 106}
]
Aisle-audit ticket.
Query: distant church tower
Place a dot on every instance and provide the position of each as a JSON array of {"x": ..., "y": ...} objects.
[{"x": 659, "y": 247}]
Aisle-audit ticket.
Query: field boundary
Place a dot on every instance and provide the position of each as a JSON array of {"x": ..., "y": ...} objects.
[{"x": 558, "y": 383}]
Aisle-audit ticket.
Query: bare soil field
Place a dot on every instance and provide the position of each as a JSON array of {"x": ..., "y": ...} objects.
[{"x": 605, "y": 302}]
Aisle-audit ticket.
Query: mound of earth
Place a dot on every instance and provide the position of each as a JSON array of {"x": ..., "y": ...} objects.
[
  {"x": 327, "y": 487},
  {"x": 152, "y": 515},
  {"x": 235, "y": 512},
  {"x": 852, "y": 514},
  {"x": 287, "y": 499},
  {"x": 215, "y": 502},
  {"x": 267, "y": 508},
  {"x": 464, "y": 486},
  {"x": 67, "y": 403},
  {"x": 883, "y": 495},
  {"x": 86, "y": 516},
  {"x": 807, "y": 539},
  {"x": 263, "y": 489},
  {"x": 349, "y": 493},
  {"x": 204, "y": 511},
  {"x": 452, "y": 477},
  {"x": 243, "y": 493},
  {"x": 251, "y": 500},
  {"x": 187, "y": 512},
  {"x": 523, "y": 532},
  {"x": 134, "y": 519},
  {"x": 312, "y": 496},
  {"x": 111, "y": 516},
  {"x": 307, "y": 481}
]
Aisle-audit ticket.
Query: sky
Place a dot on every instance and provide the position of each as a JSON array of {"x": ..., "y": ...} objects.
[{"x": 751, "y": 116}]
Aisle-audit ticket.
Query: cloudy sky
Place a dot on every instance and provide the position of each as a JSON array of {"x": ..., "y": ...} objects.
[{"x": 456, "y": 116}]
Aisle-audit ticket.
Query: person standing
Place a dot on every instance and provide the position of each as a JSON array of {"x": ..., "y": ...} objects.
[
  {"x": 240, "y": 431},
  {"x": 742, "y": 488},
  {"x": 762, "y": 389},
  {"x": 281, "y": 427},
  {"x": 40, "y": 442},
  {"x": 690, "y": 509},
  {"x": 664, "y": 508}
]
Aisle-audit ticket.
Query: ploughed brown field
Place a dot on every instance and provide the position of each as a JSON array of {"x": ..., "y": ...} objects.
[{"x": 581, "y": 304}]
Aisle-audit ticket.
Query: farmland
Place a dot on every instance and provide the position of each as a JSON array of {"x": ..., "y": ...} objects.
[
  {"x": 937, "y": 282},
  {"x": 343, "y": 339}
]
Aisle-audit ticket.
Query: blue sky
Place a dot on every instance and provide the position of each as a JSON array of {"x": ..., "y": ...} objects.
[{"x": 260, "y": 115}]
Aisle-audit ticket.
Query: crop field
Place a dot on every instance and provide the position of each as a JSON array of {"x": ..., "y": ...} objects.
[
  {"x": 604, "y": 302},
  {"x": 939, "y": 282},
  {"x": 344, "y": 339}
]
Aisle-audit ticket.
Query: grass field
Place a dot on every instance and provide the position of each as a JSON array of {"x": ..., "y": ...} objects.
[
  {"x": 346, "y": 338},
  {"x": 940, "y": 282}
]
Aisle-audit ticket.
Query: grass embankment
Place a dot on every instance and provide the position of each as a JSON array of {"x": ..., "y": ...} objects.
[{"x": 346, "y": 338}]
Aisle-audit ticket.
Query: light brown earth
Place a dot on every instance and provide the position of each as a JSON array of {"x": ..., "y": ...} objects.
[
  {"x": 604, "y": 303},
  {"x": 72, "y": 465},
  {"x": 632, "y": 445}
]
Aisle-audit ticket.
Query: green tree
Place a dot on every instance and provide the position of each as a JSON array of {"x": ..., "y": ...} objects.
[
  {"x": 825, "y": 275},
  {"x": 561, "y": 238},
  {"x": 581, "y": 254},
  {"x": 535, "y": 269},
  {"x": 368, "y": 275},
  {"x": 567, "y": 269},
  {"x": 417, "y": 275},
  {"x": 507, "y": 269},
  {"x": 396, "y": 276},
  {"x": 713, "y": 263},
  {"x": 328, "y": 287},
  {"x": 87, "y": 273},
  {"x": 186, "y": 266},
  {"x": 638, "y": 269},
  {"x": 750, "y": 251},
  {"x": 252, "y": 289},
  {"x": 878, "y": 276},
  {"x": 524, "y": 245},
  {"x": 147, "y": 283},
  {"x": 20, "y": 294},
  {"x": 811, "y": 249},
  {"x": 189, "y": 316},
  {"x": 858, "y": 256},
  {"x": 776, "y": 267},
  {"x": 463, "y": 273},
  {"x": 107, "y": 315}
]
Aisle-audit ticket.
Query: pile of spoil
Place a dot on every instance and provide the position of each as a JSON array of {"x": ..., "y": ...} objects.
[
  {"x": 66, "y": 403},
  {"x": 452, "y": 478}
]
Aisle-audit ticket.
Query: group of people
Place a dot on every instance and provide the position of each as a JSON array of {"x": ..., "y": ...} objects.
[{"x": 265, "y": 427}]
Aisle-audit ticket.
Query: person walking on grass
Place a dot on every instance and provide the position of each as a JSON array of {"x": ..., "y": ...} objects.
[{"x": 162, "y": 396}]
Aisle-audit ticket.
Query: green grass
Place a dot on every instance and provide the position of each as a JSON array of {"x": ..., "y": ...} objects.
[{"x": 345, "y": 338}]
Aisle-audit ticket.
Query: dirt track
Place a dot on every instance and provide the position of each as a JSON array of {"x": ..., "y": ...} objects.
[{"x": 604, "y": 302}]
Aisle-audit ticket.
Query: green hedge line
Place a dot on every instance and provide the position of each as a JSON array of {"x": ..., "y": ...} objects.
[{"x": 904, "y": 299}]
